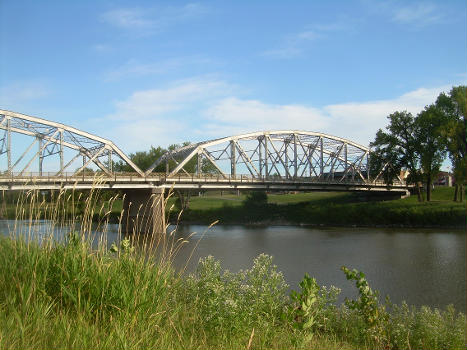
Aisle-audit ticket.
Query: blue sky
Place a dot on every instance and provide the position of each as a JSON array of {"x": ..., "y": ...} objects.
[{"x": 147, "y": 73}]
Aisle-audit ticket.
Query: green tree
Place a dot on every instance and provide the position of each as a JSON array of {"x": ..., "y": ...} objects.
[
  {"x": 143, "y": 159},
  {"x": 384, "y": 161},
  {"x": 191, "y": 167},
  {"x": 256, "y": 199},
  {"x": 454, "y": 108},
  {"x": 430, "y": 143},
  {"x": 397, "y": 146}
]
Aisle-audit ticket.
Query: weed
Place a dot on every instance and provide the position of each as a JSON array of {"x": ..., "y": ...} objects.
[{"x": 368, "y": 307}]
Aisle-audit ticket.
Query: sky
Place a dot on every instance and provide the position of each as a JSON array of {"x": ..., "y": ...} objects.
[{"x": 144, "y": 73}]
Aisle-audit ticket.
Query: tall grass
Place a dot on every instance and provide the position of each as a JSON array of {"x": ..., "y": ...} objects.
[{"x": 72, "y": 293}]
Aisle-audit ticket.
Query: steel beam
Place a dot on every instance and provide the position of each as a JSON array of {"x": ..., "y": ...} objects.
[
  {"x": 8, "y": 146},
  {"x": 321, "y": 158},
  {"x": 233, "y": 162},
  {"x": 260, "y": 156}
]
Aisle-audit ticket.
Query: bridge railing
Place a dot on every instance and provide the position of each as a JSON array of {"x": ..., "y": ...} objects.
[
  {"x": 68, "y": 176},
  {"x": 272, "y": 178},
  {"x": 193, "y": 178}
]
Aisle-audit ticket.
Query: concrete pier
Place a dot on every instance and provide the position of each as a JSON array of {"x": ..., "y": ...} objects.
[{"x": 144, "y": 211}]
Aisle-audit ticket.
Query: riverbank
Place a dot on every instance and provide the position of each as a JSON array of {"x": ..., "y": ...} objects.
[
  {"x": 330, "y": 209},
  {"x": 69, "y": 296},
  {"x": 310, "y": 209}
]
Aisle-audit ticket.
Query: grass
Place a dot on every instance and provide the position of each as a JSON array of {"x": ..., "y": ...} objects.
[
  {"x": 69, "y": 296},
  {"x": 333, "y": 208},
  {"x": 65, "y": 294},
  {"x": 214, "y": 200},
  {"x": 313, "y": 208}
]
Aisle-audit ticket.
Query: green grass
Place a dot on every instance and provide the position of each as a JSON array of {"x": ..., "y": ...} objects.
[
  {"x": 65, "y": 295},
  {"x": 315, "y": 208},
  {"x": 332, "y": 208},
  {"x": 68, "y": 296},
  {"x": 438, "y": 194},
  {"x": 213, "y": 200}
]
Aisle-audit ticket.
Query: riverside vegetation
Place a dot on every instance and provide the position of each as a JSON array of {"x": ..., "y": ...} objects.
[
  {"x": 314, "y": 208},
  {"x": 79, "y": 293},
  {"x": 329, "y": 209}
]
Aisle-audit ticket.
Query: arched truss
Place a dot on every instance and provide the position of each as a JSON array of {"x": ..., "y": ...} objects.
[
  {"x": 288, "y": 154},
  {"x": 65, "y": 143}
]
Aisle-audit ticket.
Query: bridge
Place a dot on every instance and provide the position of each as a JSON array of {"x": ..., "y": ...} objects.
[{"x": 39, "y": 154}]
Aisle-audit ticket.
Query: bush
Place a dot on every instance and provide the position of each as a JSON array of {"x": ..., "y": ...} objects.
[
  {"x": 256, "y": 199},
  {"x": 238, "y": 302},
  {"x": 312, "y": 308}
]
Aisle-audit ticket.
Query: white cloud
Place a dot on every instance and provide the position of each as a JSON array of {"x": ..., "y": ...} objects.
[
  {"x": 139, "y": 135},
  {"x": 128, "y": 18},
  {"x": 294, "y": 45},
  {"x": 18, "y": 93},
  {"x": 414, "y": 14},
  {"x": 202, "y": 109},
  {"x": 183, "y": 95},
  {"x": 150, "y": 20},
  {"x": 418, "y": 14},
  {"x": 163, "y": 116},
  {"x": 133, "y": 68},
  {"x": 360, "y": 121},
  {"x": 357, "y": 121},
  {"x": 252, "y": 115},
  {"x": 102, "y": 48}
]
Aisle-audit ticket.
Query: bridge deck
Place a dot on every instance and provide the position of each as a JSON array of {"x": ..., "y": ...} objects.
[{"x": 50, "y": 181}]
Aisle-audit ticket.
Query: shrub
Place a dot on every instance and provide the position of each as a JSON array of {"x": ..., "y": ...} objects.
[
  {"x": 425, "y": 328},
  {"x": 256, "y": 199},
  {"x": 238, "y": 302},
  {"x": 311, "y": 308}
]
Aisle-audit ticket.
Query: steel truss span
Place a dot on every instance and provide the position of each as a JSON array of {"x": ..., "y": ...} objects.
[
  {"x": 47, "y": 139},
  {"x": 31, "y": 147},
  {"x": 286, "y": 154}
]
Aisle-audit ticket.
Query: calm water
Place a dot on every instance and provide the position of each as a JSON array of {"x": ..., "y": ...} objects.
[{"x": 423, "y": 266}]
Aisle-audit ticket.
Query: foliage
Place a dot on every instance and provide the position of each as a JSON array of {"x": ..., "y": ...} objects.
[
  {"x": 143, "y": 159},
  {"x": 70, "y": 296},
  {"x": 419, "y": 144},
  {"x": 312, "y": 307},
  {"x": 454, "y": 108},
  {"x": 368, "y": 307},
  {"x": 397, "y": 148},
  {"x": 425, "y": 328},
  {"x": 255, "y": 199},
  {"x": 430, "y": 143},
  {"x": 239, "y": 301},
  {"x": 334, "y": 209},
  {"x": 67, "y": 294},
  {"x": 125, "y": 248}
]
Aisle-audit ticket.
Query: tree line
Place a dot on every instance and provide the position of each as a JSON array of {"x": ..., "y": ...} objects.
[{"x": 418, "y": 145}]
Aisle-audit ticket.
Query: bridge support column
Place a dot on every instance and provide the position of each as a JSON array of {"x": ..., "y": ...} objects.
[{"x": 144, "y": 211}]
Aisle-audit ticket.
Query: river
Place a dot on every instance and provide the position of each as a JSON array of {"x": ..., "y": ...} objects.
[{"x": 420, "y": 266}]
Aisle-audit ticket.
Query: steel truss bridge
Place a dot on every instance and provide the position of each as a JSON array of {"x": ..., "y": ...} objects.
[{"x": 36, "y": 153}]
